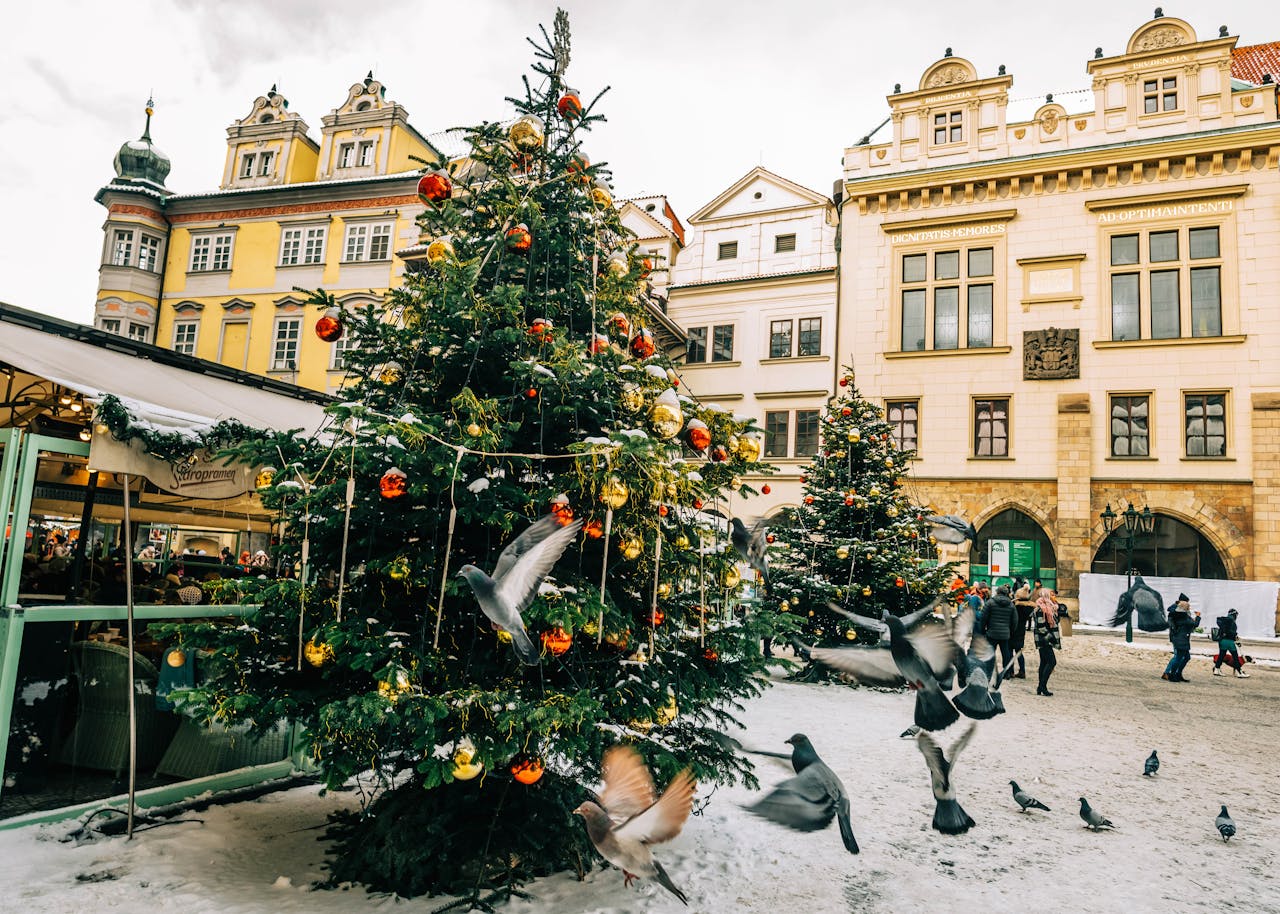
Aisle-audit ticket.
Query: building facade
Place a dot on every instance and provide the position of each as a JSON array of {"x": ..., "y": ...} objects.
[
  {"x": 1073, "y": 309},
  {"x": 755, "y": 291}
]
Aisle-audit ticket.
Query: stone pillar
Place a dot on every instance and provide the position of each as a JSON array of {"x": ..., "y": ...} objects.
[
  {"x": 1266, "y": 489},
  {"x": 1075, "y": 473}
]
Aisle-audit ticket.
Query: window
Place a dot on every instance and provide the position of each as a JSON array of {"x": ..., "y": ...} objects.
[
  {"x": 780, "y": 339},
  {"x": 357, "y": 242},
  {"x": 246, "y": 165},
  {"x": 1206, "y": 428},
  {"x": 948, "y": 127},
  {"x": 1130, "y": 426},
  {"x": 368, "y": 242},
  {"x": 775, "y": 433},
  {"x": 139, "y": 332},
  {"x": 111, "y": 325},
  {"x": 122, "y": 248},
  {"x": 991, "y": 428},
  {"x": 728, "y": 251},
  {"x": 810, "y": 342},
  {"x": 210, "y": 252},
  {"x": 903, "y": 417},
  {"x": 268, "y": 159},
  {"x": 697, "y": 345},
  {"x": 784, "y": 244},
  {"x": 806, "y": 432},
  {"x": 346, "y": 155},
  {"x": 149, "y": 253},
  {"x": 1166, "y": 283},
  {"x": 366, "y": 153},
  {"x": 313, "y": 252},
  {"x": 722, "y": 343},
  {"x": 302, "y": 245},
  {"x": 380, "y": 242},
  {"x": 1160, "y": 95},
  {"x": 961, "y": 293},
  {"x": 340, "y": 349},
  {"x": 290, "y": 247},
  {"x": 284, "y": 350},
  {"x": 222, "y": 252},
  {"x": 184, "y": 337}
]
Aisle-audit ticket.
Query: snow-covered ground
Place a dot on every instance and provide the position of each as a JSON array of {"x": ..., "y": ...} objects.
[{"x": 1218, "y": 739}]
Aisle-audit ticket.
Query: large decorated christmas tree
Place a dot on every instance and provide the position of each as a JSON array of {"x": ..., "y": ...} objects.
[
  {"x": 858, "y": 539},
  {"x": 514, "y": 378}
]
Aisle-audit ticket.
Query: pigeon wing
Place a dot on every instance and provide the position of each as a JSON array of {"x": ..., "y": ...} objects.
[
  {"x": 532, "y": 535},
  {"x": 864, "y": 621},
  {"x": 939, "y": 770},
  {"x": 628, "y": 787},
  {"x": 520, "y": 581},
  {"x": 958, "y": 746},
  {"x": 866, "y": 664},
  {"x": 804, "y": 802},
  {"x": 758, "y": 544},
  {"x": 664, "y": 819},
  {"x": 935, "y": 646},
  {"x": 911, "y": 621}
]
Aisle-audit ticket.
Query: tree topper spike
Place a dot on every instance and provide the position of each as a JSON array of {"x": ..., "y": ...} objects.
[{"x": 560, "y": 47}]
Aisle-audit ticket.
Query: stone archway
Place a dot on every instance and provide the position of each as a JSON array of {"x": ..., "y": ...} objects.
[
  {"x": 1217, "y": 531},
  {"x": 1014, "y": 520}
]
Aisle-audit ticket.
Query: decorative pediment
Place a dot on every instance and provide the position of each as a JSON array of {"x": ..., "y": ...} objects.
[
  {"x": 1160, "y": 34},
  {"x": 759, "y": 190},
  {"x": 237, "y": 306},
  {"x": 1052, "y": 118},
  {"x": 947, "y": 72},
  {"x": 368, "y": 95},
  {"x": 642, "y": 223},
  {"x": 351, "y": 299},
  {"x": 289, "y": 302},
  {"x": 188, "y": 307},
  {"x": 271, "y": 108}
]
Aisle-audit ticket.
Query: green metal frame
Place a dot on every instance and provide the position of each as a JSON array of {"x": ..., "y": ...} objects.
[{"x": 17, "y": 485}]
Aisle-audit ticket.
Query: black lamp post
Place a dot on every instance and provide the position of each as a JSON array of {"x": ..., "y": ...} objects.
[{"x": 1136, "y": 523}]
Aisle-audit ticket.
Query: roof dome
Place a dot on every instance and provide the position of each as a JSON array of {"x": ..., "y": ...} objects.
[{"x": 140, "y": 160}]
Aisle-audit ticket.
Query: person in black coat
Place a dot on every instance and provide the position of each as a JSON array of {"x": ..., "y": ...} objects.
[
  {"x": 1227, "y": 634},
  {"x": 1182, "y": 622},
  {"x": 1001, "y": 617}
]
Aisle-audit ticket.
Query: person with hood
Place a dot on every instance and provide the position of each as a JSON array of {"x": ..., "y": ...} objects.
[
  {"x": 1001, "y": 616},
  {"x": 1025, "y": 609},
  {"x": 1047, "y": 636},
  {"x": 1182, "y": 622},
  {"x": 1227, "y": 632}
]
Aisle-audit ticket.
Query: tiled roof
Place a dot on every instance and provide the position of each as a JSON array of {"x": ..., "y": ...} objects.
[
  {"x": 297, "y": 185},
  {"x": 1255, "y": 61},
  {"x": 752, "y": 276}
]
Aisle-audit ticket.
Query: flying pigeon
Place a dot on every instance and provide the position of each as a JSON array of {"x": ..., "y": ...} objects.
[
  {"x": 951, "y": 528},
  {"x": 1146, "y": 602},
  {"x": 1151, "y": 766},
  {"x": 1024, "y": 799},
  {"x": 1226, "y": 826},
  {"x": 632, "y": 819},
  {"x": 1092, "y": 818},
  {"x": 948, "y": 816},
  {"x": 918, "y": 659},
  {"x": 752, "y": 546},
  {"x": 808, "y": 801},
  {"x": 521, "y": 568}
]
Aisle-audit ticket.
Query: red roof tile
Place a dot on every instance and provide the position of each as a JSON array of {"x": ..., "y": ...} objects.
[{"x": 1251, "y": 63}]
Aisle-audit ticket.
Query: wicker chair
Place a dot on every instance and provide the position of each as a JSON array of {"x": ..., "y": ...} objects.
[
  {"x": 198, "y": 751},
  {"x": 100, "y": 738}
]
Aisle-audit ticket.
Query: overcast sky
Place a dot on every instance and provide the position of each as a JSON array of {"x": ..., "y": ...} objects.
[{"x": 701, "y": 91}]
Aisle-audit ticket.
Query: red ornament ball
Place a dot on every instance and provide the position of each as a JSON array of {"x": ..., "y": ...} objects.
[
  {"x": 844, "y": 382},
  {"x": 846, "y": 411},
  {"x": 646, "y": 267},
  {"x": 698, "y": 436},
  {"x": 642, "y": 344},
  {"x": 519, "y": 239},
  {"x": 531, "y": 393},
  {"x": 329, "y": 327},
  {"x": 662, "y": 510},
  {"x": 808, "y": 499},
  {"x": 577, "y": 167},
  {"x": 540, "y": 327},
  {"x": 719, "y": 453},
  {"x": 557, "y": 641},
  {"x": 562, "y": 510},
  {"x": 394, "y": 483},
  {"x": 620, "y": 325},
  {"x": 765, "y": 490},
  {"x": 769, "y": 538},
  {"x": 527, "y": 769},
  {"x": 569, "y": 106},
  {"x": 898, "y": 582},
  {"x": 434, "y": 187},
  {"x": 599, "y": 343},
  {"x": 658, "y": 617},
  {"x": 697, "y": 504},
  {"x": 710, "y": 655},
  {"x": 594, "y": 529},
  {"x": 848, "y": 500}
]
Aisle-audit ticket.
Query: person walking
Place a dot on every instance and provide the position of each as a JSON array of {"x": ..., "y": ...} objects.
[
  {"x": 1182, "y": 622},
  {"x": 1047, "y": 637},
  {"x": 1025, "y": 609},
  {"x": 1001, "y": 616},
  {"x": 1227, "y": 633}
]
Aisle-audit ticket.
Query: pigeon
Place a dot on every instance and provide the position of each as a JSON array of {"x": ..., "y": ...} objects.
[
  {"x": 1146, "y": 602},
  {"x": 979, "y": 699},
  {"x": 1024, "y": 799},
  {"x": 909, "y": 733},
  {"x": 948, "y": 816},
  {"x": 917, "y": 659},
  {"x": 521, "y": 568},
  {"x": 1092, "y": 818},
  {"x": 1151, "y": 766},
  {"x": 951, "y": 529},
  {"x": 808, "y": 801},
  {"x": 632, "y": 819},
  {"x": 1226, "y": 826},
  {"x": 752, "y": 546}
]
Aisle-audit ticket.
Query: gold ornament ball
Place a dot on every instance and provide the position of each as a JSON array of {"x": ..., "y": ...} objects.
[
  {"x": 614, "y": 493},
  {"x": 785, "y": 607},
  {"x": 631, "y": 547},
  {"x": 682, "y": 542},
  {"x": 874, "y": 492},
  {"x": 317, "y": 653},
  {"x": 840, "y": 454},
  {"x": 440, "y": 251},
  {"x": 390, "y": 373},
  {"x": 668, "y": 712},
  {"x": 851, "y": 635},
  {"x": 399, "y": 569},
  {"x": 265, "y": 478},
  {"x": 749, "y": 448},
  {"x": 866, "y": 591},
  {"x": 526, "y": 134},
  {"x": 465, "y": 766},
  {"x": 855, "y": 436},
  {"x": 398, "y": 685},
  {"x": 600, "y": 195},
  {"x": 730, "y": 578},
  {"x": 892, "y": 511},
  {"x": 842, "y": 552},
  {"x": 672, "y": 490},
  {"x": 822, "y": 522},
  {"x": 666, "y": 420},
  {"x": 664, "y": 590},
  {"x": 735, "y": 483},
  {"x": 888, "y": 461},
  {"x": 474, "y": 430},
  {"x": 632, "y": 398},
  {"x": 178, "y": 657}
]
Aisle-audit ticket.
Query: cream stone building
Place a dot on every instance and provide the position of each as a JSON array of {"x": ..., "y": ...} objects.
[
  {"x": 755, "y": 291},
  {"x": 1076, "y": 308}
]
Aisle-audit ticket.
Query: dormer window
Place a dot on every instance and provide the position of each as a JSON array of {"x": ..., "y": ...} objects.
[
  {"x": 346, "y": 155},
  {"x": 246, "y": 165},
  {"x": 268, "y": 159},
  {"x": 948, "y": 127},
  {"x": 366, "y": 154},
  {"x": 1160, "y": 95}
]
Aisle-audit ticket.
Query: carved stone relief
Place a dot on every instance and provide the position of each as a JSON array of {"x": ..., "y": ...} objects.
[
  {"x": 1050, "y": 355},
  {"x": 1157, "y": 39},
  {"x": 1049, "y": 121},
  {"x": 948, "y": 76}
]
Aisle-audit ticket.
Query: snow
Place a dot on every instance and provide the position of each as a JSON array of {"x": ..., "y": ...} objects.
[{"x": 1216, "y": 738}]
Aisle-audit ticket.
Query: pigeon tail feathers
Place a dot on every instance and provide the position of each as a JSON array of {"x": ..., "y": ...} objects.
[
  {"x": 846, "y": 829},
  {"x": 934, "y": 710},
  {"x": 665, "y": 881},
  {"x": 525, "y": 649},
  {"x": 950, "y": 818}
]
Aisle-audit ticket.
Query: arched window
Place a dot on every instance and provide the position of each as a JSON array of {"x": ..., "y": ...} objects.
[
  {"x": 1012, "y": 524},
  {"x": 1174, "y": 550}
]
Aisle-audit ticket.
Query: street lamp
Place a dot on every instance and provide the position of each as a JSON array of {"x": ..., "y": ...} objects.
[{"x": 1136, "y": 523}]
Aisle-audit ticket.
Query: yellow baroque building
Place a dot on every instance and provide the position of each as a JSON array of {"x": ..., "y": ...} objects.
[{"x": 216, "y": 274}]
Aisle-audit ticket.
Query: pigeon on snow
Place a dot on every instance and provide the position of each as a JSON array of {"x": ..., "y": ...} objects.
[
  {"x": 1151, "y": 766},
  {"x": 1092, "y": 818},
  {"x": 632, "y": 819},
  {"x": 1024, "y": 799},
  {"x": 951, "y": 529},
  {"x": 917, "y": 658},
  {"x": 808, "y": 801},
  {"x": 1226, "y": 826},
  {"x": 752, "y": 546},
  {"x": 948, "y": 815},
  {"x": 521, "y": 567}
]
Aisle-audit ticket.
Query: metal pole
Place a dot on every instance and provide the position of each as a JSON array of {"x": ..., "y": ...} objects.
[{"x": 133, "y": 708}]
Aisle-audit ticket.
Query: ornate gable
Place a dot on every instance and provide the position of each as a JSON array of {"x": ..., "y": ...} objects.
[
  {"x": 1160, "y": 34},
  {"x": 272, "y": 108},
  {"x": 368, "y": 95}
]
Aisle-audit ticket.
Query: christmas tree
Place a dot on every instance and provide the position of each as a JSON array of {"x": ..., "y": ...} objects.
[
  {"x": 857, "y": 540},
  {"x": 512, "y": 378}
]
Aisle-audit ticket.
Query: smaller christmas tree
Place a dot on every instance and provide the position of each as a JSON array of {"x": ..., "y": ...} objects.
[{"x": 857, "y": 540}]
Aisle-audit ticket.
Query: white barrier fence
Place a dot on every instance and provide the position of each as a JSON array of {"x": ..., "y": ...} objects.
[{"x": 1255, "y": 601}]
